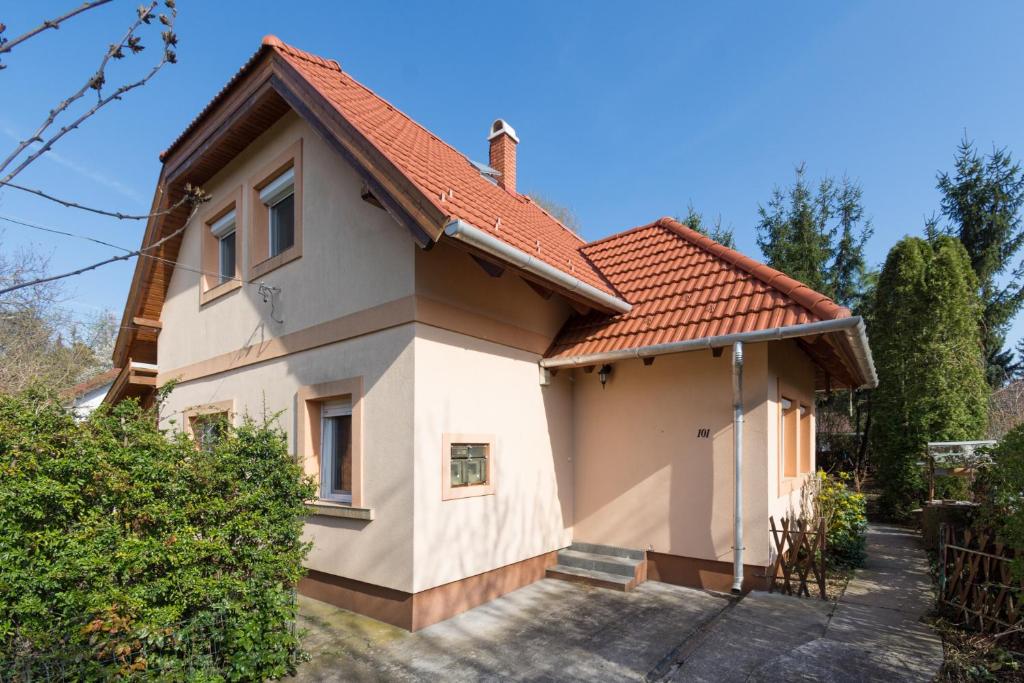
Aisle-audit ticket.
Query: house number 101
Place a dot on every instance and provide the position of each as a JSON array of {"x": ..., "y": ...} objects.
[{"x": 703, "y": 433}]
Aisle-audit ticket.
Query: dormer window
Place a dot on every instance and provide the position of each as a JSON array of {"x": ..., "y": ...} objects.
[
  {"x": 224, "y": 231},
  {"x": 279, "y": 198}
]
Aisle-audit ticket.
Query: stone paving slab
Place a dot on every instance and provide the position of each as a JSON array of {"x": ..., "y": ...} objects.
[
  {"x": 873, "y": 634},
  {"x": 548, "y": 631}
]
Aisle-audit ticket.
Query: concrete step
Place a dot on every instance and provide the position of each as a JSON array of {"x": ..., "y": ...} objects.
[
  {"x": 608, "y": 550},
  {"x": 592, "y": 577},
  {"x": 609, "y": 564}
]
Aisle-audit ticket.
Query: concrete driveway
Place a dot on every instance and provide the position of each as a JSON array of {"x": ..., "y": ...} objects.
[
  {"x": 558, "y": 631},
  {"x": 549, "y": 630}
]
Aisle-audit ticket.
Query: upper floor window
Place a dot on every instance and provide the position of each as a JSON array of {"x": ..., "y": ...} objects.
[
  {"x": 224, "y": 232},
  {"x": 278, "y": 196},
  {"x": 221, "y": 244},
  {"x": 275, "y": 235}
]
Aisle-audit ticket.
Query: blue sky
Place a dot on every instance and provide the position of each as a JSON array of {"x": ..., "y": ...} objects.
[{"x": 626, "y": 112}]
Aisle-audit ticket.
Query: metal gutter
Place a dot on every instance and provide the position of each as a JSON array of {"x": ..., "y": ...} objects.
[
  {"x": 475, "y": 237},
  {"x": 852, "y": 326}
]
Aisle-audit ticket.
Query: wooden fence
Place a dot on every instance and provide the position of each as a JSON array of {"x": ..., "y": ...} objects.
[
  {"x": 975, "y": 582},
  {"x": 799, "y": 557}
]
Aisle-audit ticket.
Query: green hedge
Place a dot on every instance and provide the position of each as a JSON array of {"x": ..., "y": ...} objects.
[{"x": 127, "y": 551}]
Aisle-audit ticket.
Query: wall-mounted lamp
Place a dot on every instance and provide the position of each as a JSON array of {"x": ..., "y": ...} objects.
[{"x": 603, "y": 373}]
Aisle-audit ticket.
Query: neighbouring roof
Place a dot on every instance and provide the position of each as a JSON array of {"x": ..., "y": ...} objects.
[{"x": 94, "y": 382}]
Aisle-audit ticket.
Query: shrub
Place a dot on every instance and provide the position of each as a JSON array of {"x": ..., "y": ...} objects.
[
  {"x": 846, "y": 521},
  {"x": 998, "y": 489},
  {"x": 127, "y": 550},
  {"x": 951, "y": 487}
]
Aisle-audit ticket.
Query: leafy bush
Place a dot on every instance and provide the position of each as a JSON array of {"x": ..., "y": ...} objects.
[
  {"x": 951, "y": 487},
  {"x": 846, "y": 521},
  {"x": 998, "y": 490},
  {"x": 128, "y": 551}
]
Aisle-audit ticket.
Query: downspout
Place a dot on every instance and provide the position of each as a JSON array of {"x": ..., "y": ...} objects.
[{"x": 737, "y": 456}]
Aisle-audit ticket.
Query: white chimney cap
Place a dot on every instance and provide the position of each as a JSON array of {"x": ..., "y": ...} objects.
[{"x": 501, "y": 126}]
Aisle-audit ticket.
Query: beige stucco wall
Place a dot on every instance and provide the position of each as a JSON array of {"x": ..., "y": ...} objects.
[
  {"x": 354, "y": 256},
  {"x": 447, "y": 273},
  {"x": 470, "y": 386},
  {"x": 643, "y": 477},
  {"x": 380, "y": 551}
]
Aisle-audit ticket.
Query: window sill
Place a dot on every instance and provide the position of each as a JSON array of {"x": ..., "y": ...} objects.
[
  {"x": 274, "y": 262},
  {"x": 218, "y": 291},
  {"x": 328, "y": 509}
]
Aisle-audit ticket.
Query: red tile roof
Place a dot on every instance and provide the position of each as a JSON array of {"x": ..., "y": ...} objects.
[
  {"x": 685, "y": 286},
  {"x": 445, "y": 176}
]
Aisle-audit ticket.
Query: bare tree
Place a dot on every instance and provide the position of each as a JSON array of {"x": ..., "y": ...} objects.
[
  {"x": 40, "y": 340},
  {"x": 93, "y": 95}
]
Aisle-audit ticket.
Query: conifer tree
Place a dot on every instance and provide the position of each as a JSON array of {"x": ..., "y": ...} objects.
[
  {"x": 982, "y": 200},
  {"x": 927, "y": 350}
]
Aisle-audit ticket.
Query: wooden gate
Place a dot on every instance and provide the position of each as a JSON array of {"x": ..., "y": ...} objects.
[
  {"x": 799, "y": 557},
  {"x": 975, "y": 582}
]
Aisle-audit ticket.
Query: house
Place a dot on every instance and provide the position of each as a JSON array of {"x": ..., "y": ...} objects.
[
  {"x": 483, "y": 396},
  {"x": 87, "y": 396}
]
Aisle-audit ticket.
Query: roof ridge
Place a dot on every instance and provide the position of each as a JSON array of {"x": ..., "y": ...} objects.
[
  {"x": 622, "y": 233},
  {"x": 817, "y": 303},
  {"x": 270, "y": 40}
]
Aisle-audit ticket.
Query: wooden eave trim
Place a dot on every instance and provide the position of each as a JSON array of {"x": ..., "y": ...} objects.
[
  {"x": 126, "y": 335},
  {"x": 138, "y": 321}
]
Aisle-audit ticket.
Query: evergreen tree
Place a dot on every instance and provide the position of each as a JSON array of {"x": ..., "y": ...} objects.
[
  {"x": 982, "y": 199},
  {"x": 695, "y": 221},
  {"x": 927, "y": 350},
  {"x": 818, "y": 236}
]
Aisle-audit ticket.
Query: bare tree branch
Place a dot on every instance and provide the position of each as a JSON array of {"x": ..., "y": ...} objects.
[
  {"x": 130, "y": 42},
  {"x": 8, "y": 45},
  {"x": 197, "y": 197},
  {"x": 102, "y": 212}
]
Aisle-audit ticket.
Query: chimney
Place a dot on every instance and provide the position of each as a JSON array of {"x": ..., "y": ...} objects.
[{"x": 503, "y": 140}]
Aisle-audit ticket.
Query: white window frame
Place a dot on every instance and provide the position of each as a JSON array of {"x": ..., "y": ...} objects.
[
  {"x": 328, "y": 410},
  {"x": 275, "y": 192},
  {"x": 222, "y": 228}
]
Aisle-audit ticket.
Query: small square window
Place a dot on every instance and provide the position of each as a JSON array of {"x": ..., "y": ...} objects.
[
  {"x": 469, "y": 464},
  {"x": 209, "y": 429}
]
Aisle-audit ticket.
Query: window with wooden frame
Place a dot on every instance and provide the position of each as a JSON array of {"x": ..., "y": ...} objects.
[
  {"x": 806, "y": 438},
  {"x": 276, "y": 222},
  {"x": 789, "y": 431},
  {"x": 220, "y": 249},
  {"x": 328, "y": 440},
  {"x": 467, "y": 465}
]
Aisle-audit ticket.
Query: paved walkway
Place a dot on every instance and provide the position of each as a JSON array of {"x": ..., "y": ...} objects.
[
  {"x": 873, "y": 633},
  {"x": 558, "y": 631}
]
